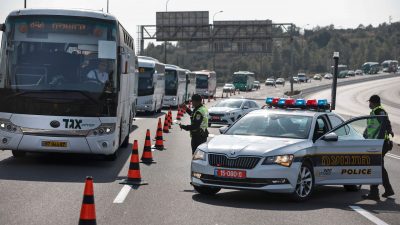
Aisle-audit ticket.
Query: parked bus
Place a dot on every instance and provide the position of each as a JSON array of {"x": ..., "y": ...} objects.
[
  {"x": 389, "y": 66},
  {"x": 370, "y": 68},
  {"x": 151, "y": 85},
  {"x": 175, "y": 86},
  {"x": 68, "y": 82},
  {"x": 190, "y": 85},
  {"x": 206, "y": 83},
  {"x": 243, "y": 80}
]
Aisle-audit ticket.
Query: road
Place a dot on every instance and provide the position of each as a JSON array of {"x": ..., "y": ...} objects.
[{"x": 47, "y": 189}]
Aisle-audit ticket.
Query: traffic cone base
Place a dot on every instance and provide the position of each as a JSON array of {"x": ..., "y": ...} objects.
[{"x": 134, "y": 182}]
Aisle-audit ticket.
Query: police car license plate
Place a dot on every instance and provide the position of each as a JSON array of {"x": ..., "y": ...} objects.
[
  {"x": 240, "y": 174},
  {"x": 216, "y": 118},
  {"x": 57, "y": 144}
]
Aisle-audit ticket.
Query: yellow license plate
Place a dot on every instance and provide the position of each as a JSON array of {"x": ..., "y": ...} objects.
[{"x": 57, "y": 144}]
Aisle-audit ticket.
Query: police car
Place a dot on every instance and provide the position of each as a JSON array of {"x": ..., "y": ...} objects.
[{"x": 291, "y": 147}]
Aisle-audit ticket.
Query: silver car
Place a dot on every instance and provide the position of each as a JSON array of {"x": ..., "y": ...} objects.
[
  {"x": 288, "y": 151},
  {"x": 229, "y": 110}
]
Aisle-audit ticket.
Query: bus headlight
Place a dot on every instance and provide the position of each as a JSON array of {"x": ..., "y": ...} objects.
[
  {"x": 103, "y": 129},
  {"x": 8, "y": 126}
]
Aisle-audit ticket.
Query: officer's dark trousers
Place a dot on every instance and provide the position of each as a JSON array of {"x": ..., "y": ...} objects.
[
  {"x": 385, "y": 178},
  {"x": 196, "y": 141}
]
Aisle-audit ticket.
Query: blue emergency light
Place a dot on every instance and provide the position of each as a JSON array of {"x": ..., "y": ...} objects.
[
  {"x": 281, "y": 102},
  {"x": 301, "y": 103},
  {"x": 268, "y": 101}
]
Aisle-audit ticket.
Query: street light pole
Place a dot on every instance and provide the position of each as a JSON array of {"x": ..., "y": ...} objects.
[
  {"x": 24, "y": 4},
  {"x": 165, "y": 42},
  {"x": 108, "y": 4},
  {"x": 334, "y": 83},
  {"x": 213, "y": 44}
]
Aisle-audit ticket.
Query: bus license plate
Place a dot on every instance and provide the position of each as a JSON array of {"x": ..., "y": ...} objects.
[
  {"x": 216, "y": 118},
  {"x": 57, "y": 144},
  {"x": 240, "y": 174}
]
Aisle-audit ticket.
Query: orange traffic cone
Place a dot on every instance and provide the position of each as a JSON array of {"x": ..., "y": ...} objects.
[
  {"x": 166, "y": 125},
  {"x": 169, "y": 119},
  {"x": 88, "y": 211},
  {"x": 134, "y": 177},
  {"x": 178, "y": 115},
  {"x": 182, "y": 112},
  {"x": 147, "y": 156},
  {"x": 159, "y": 138}
]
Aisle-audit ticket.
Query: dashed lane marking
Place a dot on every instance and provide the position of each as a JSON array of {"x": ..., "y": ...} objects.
[
  {"x": 393, "y": 155},
  {"x": 368, "y": 215},
  {"x": 122, "y": 194}
]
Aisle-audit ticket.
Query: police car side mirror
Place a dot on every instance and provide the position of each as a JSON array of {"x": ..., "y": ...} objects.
[
  {"x": 245, "y": 107},
  {"x": 330, "y": 137},
  {"x": 223, "y": 129}
]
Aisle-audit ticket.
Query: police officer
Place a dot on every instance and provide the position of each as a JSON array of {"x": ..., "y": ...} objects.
[
  {"x": 379, "y": 128},
  {"x": 198, "y": 122}
]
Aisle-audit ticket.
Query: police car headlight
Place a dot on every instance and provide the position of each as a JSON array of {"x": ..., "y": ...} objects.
[
  {"x": 199, "y": 155},
  {"x": 283, "y": 160}
]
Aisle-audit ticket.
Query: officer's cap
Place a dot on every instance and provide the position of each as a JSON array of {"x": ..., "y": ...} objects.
[
  {"x": 196, "y": 98},
  {"x": 375, "y": 99}
]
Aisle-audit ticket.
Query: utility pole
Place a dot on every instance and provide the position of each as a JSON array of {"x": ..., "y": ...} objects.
[
  {"x": 334, "y": 84},
  {"x": 24, "y": 4},
  {"x": 165, "y": 42},
  {"x": 108, "y": 4}
]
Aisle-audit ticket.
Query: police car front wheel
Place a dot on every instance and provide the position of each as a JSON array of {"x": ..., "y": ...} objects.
[
  {"x": 305, "y": 183},
  {"x": 204, "y": 190}
]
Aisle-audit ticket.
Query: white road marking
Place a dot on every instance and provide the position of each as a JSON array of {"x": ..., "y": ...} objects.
[
  {"x": 368, "y": 215},
  {"x": 122, "y": 194},
  {"x": 393, "y": 155}
]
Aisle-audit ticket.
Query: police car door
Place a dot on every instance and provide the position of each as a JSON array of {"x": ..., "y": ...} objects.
[{"x": 345, "y": 156}]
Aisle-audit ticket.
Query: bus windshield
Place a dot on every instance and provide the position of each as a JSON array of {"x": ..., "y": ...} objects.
[
  {"x": 51, "y": 56},
  {"x": 171, "y": 82},
  {"x": 146, "y": 86},
  {"x": 239, "y": 78},
  {"x": 201, "y": 81}
]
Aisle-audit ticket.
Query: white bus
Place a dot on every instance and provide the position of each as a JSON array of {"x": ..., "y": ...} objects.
[
  {"x": 151, "y": 88},
  {"x": 206, "y": 83},
  {"x": 190, "y": 85},
  {"x": 175, "y": 86},
  {"x": 68, "y": 82}
]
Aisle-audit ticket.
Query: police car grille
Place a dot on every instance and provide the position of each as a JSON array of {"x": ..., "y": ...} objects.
[{"x": 243, "y": 162}]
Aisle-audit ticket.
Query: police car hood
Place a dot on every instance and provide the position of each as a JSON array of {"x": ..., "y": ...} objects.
[
  {"x": 221, "y": 109},
  {"x": 254, "y": 145}
]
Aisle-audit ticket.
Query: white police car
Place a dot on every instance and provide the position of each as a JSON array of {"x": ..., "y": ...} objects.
[
  {"x": 229, "y": 110},
  {"x": 288, "y": 148}
]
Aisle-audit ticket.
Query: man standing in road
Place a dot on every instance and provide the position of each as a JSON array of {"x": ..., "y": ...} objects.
[
  {"x": 379, "y": 128},
  {"x": 198, "y": 122}
]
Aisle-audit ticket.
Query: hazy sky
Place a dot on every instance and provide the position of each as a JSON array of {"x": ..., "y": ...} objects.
[{"x": 306, "y": 13}]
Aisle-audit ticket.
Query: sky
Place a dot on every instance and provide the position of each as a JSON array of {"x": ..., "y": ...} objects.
[{"x": 304, "y": 13}]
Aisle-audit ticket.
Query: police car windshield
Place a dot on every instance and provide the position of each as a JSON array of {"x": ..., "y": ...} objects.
[
  {"x": 230, "y": 104},
  {"x": 273, "y": 125}
]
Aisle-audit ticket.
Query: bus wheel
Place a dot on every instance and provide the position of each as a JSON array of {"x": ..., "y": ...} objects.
[{"x": 18, "y": 154}]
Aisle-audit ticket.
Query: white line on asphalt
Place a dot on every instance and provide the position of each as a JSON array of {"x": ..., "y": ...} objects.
[
  {"x": 122, "y": 194},
  {"x": 393, "y": 156},
  {"x": 368, "y": 215}
]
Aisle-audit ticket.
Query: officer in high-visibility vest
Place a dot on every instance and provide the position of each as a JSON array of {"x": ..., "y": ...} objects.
[
  {"x": 198, "y": 122},
  {"x": 379, "y": 128}
]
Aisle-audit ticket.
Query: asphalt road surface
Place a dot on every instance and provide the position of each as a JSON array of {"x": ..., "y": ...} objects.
[{"x": 47, "y": 189}]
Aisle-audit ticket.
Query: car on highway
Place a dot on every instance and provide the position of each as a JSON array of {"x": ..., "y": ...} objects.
[
  {"x": 228, "y": 88},
  {"x": 351, "y": 73},
  {"x": 289, "y": 149},
  {"x": 359, "y": 72},
  {"x": 317, "y": 77},
  {"x": 328, "y": 76},
  {"x": 229, "y": 110},
  {"x": 270, "y": 81},
  {"x": 280, "y": 81},
  {"x": 343, "y": 74},
  {"x": 302, "y": 77},
  {"x": 256, "y": 85}
]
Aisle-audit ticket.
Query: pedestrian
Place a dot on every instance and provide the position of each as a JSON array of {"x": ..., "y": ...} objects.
[
  {"x": 379, "y": 128},
  {"x": 198, "y": 122}
]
